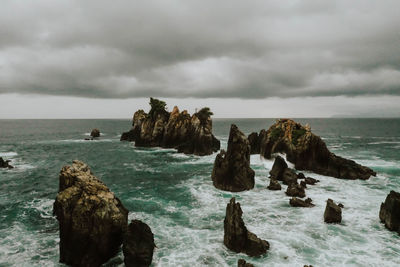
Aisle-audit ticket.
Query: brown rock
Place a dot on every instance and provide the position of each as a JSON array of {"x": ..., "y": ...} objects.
[
  {"x": 5, "y": 163},
  {"x": 333, "y": 213},
  {"x": 389, "y": 212},
  {"x": 311, "y": 181},
  {"x": 295, "y": 190},
  {"x": 243, "y": 263},
  {"x": 95, "y": 133},
  {"x": 296, "y": 202},
  {"x": 274, "y": 184},
  {"x": 278, "y": 168}
]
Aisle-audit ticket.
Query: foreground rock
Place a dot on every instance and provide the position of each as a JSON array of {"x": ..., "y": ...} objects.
[
  {"x": 295, "y": 190},
  {"x": 95, "y": 133},
  {"x": 188, "y": 134},
  {"x": 236, "y": 236},
  {"x": 390, "y": 212},
  {"x": 307, "y": 151},
  {"x": 333, "y": 212},
  {"x": 296, "y": 202},
  {"x": 274, "y": 184},
  {"x": 5, "y": 163},
  {"x": 232, "y": 170},
  {"x": 278, "y": 168},
  {"x": 91, "y": 219},
  {"x": 243, "y": 263},
  {"x": 138, "y": 244}
]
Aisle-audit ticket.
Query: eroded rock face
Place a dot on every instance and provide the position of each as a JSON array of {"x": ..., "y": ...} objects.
[
  {"x": 307, "y": 151},
  {"x": 390, "y": 212},
  {"x": 5, "y": 163},
  {"x": 296, "y": 202},
  {"x": 232, "y": 170},
  {"x": 188, "y": 134},
  {"x": 91, "y": 219},
  {"x": 95, "y": 133},
  {"x": 333, "y": 213},
  {"x": 278, "y": 168},
  {"x": 236, "y": 236},
  {"x": 138, "y": 245}
]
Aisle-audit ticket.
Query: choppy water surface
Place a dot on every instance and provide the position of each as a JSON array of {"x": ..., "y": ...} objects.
[{"x": 173, "y": 193}]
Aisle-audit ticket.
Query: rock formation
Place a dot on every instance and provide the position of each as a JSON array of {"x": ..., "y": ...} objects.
[
  {"x": 91, "y": 219},
  {"x": 274, "y": 184},
  {"x": 138, "y": 245},
  {"x": 278, "y": 168},
  {"x": 307, "y": 151},
  {"x": 243, "y": 263},
  {"x": 236, "y": 236},
  {"x": 295, "y": 190},
  {"x": 296, "y": 202},
  {"x": 390, "y": 212},
  {"x": 333, "y": 213},
  {"x": 188, "y": 134},
  {"x": 310, "y": 181},
  {"x": 95, "y": 133},
  {"x": 5, "y": 163},
  {"x": 232, "y": 170}
]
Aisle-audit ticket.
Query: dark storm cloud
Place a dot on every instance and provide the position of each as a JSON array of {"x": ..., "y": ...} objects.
[{"x": 118, "y": 49}]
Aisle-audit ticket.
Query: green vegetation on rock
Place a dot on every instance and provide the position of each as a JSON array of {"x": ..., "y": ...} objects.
[
  {"x": 276, "y": 133},
  {"x": 296, "y": 134},
  {"x": 157, "y": 107},
  {"x": 204, "y": 114}
]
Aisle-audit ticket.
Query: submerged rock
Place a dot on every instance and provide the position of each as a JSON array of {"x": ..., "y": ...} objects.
[
  {"x": 236, "y": 236},
  {"x": 389, "y": 212},
  {"x": 308, "y": 151},
  {"x": 232, "y": 170},
  {"x": 296, "y": 202},
  {"x": 274, "y": 185},
  {"x": 333, "y": 213},
  {"x": 5, "y": 163},
  {"x": 138, "y": 244},
  {"x": 91, "y": 219},
  {"x": 243, "y": 263},
  {"x": 188, "y": 134},
  {"x": 95, "y": 133}
]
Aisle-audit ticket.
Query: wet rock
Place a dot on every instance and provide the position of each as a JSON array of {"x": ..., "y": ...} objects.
[
  {"x": 303, "y": 184},
  {"x": 243, "y": 263},
  {"x": 310, "y": 181},
  {"x": 138, "y": 244},
  {"x": 308, "y": 151},
  {"x": 236, "y": 236},
  {"x": 95, "y": 133},
  {"x": 389, "y": 212},
  {"x": 274, "y": 184},
  {"x": 278, "y": 168},
  {"x": 254, "y": 142},
  {"x": 300, "y": 176},
  {"x": 296, "y": 202},
  {"x": 295, "y": 190},
  {"x": 289, "y": 176},
  {"x": 333, "y": 213},
  {"x": 5, "y": 164},
  {"x": 91, "y": 219},
  {"x": 232, "y": 170}
]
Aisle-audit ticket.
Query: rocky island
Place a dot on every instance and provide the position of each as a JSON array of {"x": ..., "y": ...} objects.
[{"x": 188, "y": 134}]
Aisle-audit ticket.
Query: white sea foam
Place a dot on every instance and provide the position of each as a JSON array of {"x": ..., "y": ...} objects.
[{"x": 8, "y": 154}]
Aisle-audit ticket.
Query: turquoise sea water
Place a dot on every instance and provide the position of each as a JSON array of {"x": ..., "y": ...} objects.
[{"x": 174, "y": 195}]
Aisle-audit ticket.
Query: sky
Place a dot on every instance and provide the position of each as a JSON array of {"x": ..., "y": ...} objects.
[{"x": 103, "y": 59}]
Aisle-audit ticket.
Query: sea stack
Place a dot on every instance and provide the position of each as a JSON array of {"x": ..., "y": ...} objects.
[
  {"x": 91, "y": 219},
  {"x": 333, "y": 212},
  {"x": 232, "y": 170},
  {"x": 389, "y": 213},
  {"x": 5, "y": 164},
  {"x": 95, "y": 133},
  {"x": 236, "y": 236}
]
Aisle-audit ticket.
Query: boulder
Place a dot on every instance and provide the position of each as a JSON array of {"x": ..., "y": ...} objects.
[
  {"x": 138, "y": 244},
  {"x": 243, "y": 263},
  {"x": 310, "y": 181},
  {"x": 91, "y": 219},
  {"x": 296, "y": 202},
  {"x": 295, "y": 190},
  {"x": 5, "y": 163},
  {"x": 274, "y": 184},
  {"x": 232, "y": 170},
  {"x": 95, "y": 133},
  {"x": 389, "y": 212},
  {"x": 333, "y": 213},
  {"x": 236, "y": 236},
  {"x": 308, "y": 151},
  {"x": 278, "y": 168}
]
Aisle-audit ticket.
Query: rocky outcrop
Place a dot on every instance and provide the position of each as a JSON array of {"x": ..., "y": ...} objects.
[
  {"x": 188, "y": 134},
  {"x": 236, "y": 236},
  {"x": 308, "y": 151},
  {"x": 333, "y": 213},
  {"x": 243, "y": 263},
  {"x": 274, "y": 184},
  {"x": 278, "y": 168},
  {"x": 5, "y": 164},
  {"x": 296, "y": 202},
  {"x": 95, "y": 133},
  {"x": 138, "y": 245},
  {"x": 295, "y": 190},
  {"x": 389, "y": 213},
  {"x": 232, "y": 170},
  {"x": 91, "y": 219}
]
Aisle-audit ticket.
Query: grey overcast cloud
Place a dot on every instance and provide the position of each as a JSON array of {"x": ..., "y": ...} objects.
[{"x": 102, "y": 59}]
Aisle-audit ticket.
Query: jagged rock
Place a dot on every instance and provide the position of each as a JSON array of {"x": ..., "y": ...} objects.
[
  {"x": 188, "y": 134},
  {"x": 138, "y": 244},
  {"x": 289, "y": 176},
  {"x": 5, "y": 163},
  {"x": 333, "y": 213},
  {"x": 296, "y": 202},
  {"x": 311, "y": 181},
  {"x": 278, "y": 168},
  {"x": 236, "y": 236},
  {"x": 95, "y": 133},
  {"x": 254, "y": 142},
  {"x": 243, "y": 263},
  {"x": 274, "y": 184},
  {"x": 91, "y": 219},
  {"x": 389, "y": 212},
  {"x": 295, "y": 190},
  {"x": 307, "y": 151},
  {"x": 232, "y": 170}
]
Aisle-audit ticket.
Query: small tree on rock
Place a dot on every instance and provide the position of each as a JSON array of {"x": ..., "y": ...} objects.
[
  {"x": 157, "y": 107},
  {"x": 204, "y": 114}
]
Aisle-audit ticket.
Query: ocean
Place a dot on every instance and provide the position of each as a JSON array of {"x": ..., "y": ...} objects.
[{"x": 173, "y": 193}]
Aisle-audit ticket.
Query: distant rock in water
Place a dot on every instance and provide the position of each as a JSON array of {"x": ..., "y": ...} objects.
[
  {"x": 138, "y": 244},
  {"x": 232, "y": 170},
  {"x": 236, "y": 236},
  {"x": 95, "y": 133},
  {"x": 390, "y": 212},
  {"x": 296, "y": 202},
  {"x": 188, "y": 134},
  {"x": 307, "y": 151},
  {"x": 5, "y": 163},
  {"x": 91, "y": 219},
  {"x": 243, "y": 263},
  {"x": 333, "y": 213}
]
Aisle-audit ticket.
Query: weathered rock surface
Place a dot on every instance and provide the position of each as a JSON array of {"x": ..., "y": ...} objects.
[
  {"x": 296, "y": 202},
  {"x": 188, "y": 134},
  {"x": 232, "y": 170},
  {"x": 308, "y": 151},
  {"x": 311, "y": 181},
  {"x": 5, "y": 163},
  {"x": 138, "y": 244},
  {"x": 274, "y": 184},
  {"x": 91, "y": 219},
  {"x": 278, "y": 168},
  {"x": 295, "y": 190},
  {"x": 390, "y": 212},
  {"x": 95, "y": 133},
  {"x": 333, "y": 213},
  {"x": 243, "y": 263},
  {"x": 236, "y": 236}
]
